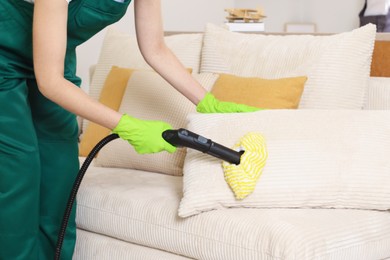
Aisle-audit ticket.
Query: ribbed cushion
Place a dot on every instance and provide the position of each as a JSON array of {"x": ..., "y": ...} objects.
[
  {"x": 141, "y": 207},
  {"x": 94, "y": 246},
  {"x": 148, "y": 96},
  {"x": 378, "y": 95},
  {"x": 121, "y": 49},
  {"x": 316, "y": 159},
  {"x": 337, "y": 66}
]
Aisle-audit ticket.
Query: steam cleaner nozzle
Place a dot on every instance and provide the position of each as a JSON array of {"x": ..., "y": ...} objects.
[{"x": 185, "y": 138}]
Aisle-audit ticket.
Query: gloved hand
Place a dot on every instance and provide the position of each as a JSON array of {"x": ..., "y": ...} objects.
[
  {"x": 209, "y": 104},
  {"x": 145, "y": 136}
]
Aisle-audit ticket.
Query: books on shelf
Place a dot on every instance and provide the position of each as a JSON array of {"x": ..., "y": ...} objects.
[{"x": 245, "y": 27}]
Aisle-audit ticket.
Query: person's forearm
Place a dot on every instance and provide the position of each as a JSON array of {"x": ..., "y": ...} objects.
[
  {"x": 78, "y": 102},
  {"x": 49, "y": 49},
  {"x": 150, "y": 37},
  {"x": 172, "y": 70}
]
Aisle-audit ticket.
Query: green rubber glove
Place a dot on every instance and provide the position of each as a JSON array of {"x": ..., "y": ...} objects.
[
  {"x": 145, "y": 136},
  {"x": 209, "y": 104}
]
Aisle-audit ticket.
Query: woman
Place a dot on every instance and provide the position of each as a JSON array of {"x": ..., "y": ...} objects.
[{"x": 39, "y": 98}]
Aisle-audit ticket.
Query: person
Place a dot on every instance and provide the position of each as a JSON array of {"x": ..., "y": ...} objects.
[
  {"x": 376, "y": 12},
  {"x": 39, "y": 98}
]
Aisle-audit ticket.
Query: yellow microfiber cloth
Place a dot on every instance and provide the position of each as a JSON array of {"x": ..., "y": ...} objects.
[{"x": 242, "y": 178}]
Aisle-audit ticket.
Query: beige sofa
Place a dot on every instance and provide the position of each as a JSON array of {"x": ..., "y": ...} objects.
[{"x": 316, "y": 198}]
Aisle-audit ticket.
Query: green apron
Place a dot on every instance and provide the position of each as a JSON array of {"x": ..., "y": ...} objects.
[{"x": 38, "y": 139}]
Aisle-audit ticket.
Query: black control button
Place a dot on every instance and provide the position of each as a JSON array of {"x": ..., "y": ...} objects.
[
  {"x": 202, "y": 140},
  {"x": 184, "y": 132}
]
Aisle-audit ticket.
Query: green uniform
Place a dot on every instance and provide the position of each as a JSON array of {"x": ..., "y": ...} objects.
[{"x": 38, "y": 139}]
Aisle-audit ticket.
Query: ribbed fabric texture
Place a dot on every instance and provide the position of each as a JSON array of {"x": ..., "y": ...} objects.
[
  {"x": 148, "y": 96},
  {"x": 378, "y": 94},
  {"x": 316, "y": 158},
  {"x": 98, "y": 247},
  {"x": 187, "y": 47},
  {"x": 141, "y": 208},
  {"x": 337, "y": 66}
]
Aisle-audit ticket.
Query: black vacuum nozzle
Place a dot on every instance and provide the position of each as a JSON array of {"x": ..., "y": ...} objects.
[{"x": 184, "y": 138}]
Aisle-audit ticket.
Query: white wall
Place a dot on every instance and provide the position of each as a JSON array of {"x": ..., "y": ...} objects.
[
  {"x": 333, "y": 15},
  {"x": 178, "y": 15},
  {"x": 185, "y": 15},
  {"x": 278, "y": 12},
  {"x": 330, "y": 16}
]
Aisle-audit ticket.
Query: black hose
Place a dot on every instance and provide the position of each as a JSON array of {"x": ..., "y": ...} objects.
[
  {"x": 181, "y": 137},
  {"x": 75, "y": 188}
]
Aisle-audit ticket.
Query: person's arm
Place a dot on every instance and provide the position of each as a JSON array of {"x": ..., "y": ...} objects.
[
  {"x": 150, "y": 36},
  {"x": 49, "y": 48}
]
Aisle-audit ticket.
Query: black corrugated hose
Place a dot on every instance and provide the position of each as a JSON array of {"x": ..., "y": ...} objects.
[{"x": 75, "y": 188}]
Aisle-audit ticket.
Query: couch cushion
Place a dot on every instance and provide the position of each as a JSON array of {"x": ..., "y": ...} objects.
[
  {"x": 111, "y": 96},
  {"x": 337, "y": 66},
  {"x": 92, "y": 246},
  {"x": 378, "y": 94},
  {"x": 380, "y": 66},
  {"x": 141, "y": 207},
  {"x": 121, "y": 49},
  {"x": 316, "y": 159},
  {"x": 148, "y": 96},
  {"x": 258, "y": 92}
]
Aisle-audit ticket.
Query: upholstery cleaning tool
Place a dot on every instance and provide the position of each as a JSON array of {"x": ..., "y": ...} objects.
[
  {"x": 185, "y": 138},
  {"x": 243, "y": 165}
]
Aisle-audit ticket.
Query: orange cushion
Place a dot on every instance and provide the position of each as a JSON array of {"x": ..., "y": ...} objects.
[
  {"x": 380, "y": 66},
  {"x": 284, "y": 93},
  {"x": 111, "y": 95}
]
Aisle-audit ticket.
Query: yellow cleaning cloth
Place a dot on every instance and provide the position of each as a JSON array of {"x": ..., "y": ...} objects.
[{"x": 242, "y": 178}]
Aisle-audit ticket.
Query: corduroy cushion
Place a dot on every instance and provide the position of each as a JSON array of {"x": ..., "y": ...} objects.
[
  {"x": 378, "y": 94},
  {"x": 337, "y": 66},
  {"x": 258, "y": 92},
  {"x": 141, "y": 208},
  {"x": 148, "y": 96},
  {"x": 121, "y": 49},
  {"x": 111, "y": 96},
  {"x": 316, "y": 158}
]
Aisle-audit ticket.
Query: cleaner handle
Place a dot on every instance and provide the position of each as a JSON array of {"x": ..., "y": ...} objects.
[
  {"x": 224, "y": 153},
  {"x": 185, "y": 138}
]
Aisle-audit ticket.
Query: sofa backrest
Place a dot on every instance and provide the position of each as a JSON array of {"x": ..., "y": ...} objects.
[{"x": 378, "y": 96}]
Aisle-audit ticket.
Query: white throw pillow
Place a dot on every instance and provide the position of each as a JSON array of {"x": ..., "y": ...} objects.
[
  {"x": 378, "y": 95},
  {"x": 337, "y": 66},
  {"x": 148, "y": 96},
  {"x": 121, "y": 49},
  {"x": 316, "y": 159}
]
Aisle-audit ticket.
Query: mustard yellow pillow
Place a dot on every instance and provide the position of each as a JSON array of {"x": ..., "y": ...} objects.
[
  {"x": 111, "y": 96},
  {"x": 284, "y": 93}
]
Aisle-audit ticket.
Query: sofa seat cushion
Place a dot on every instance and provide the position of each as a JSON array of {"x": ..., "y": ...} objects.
[
  {"x": 378, "y": 94},
  {"x": 141, "y": 207},
  {"x": 99, "y": 247}
]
